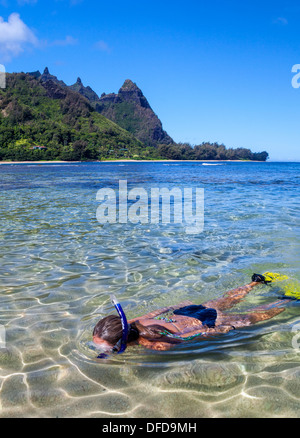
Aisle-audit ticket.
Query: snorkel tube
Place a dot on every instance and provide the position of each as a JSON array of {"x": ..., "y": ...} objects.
[{"x": 121, "y": 345}]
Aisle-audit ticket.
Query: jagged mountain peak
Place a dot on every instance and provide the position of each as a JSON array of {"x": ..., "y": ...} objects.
[
  {"x": 57, "y": 123},
  {"x": 87, "y": 92},
  {"x": 129, "y": 85},
  {"x": 131, "y": 110},
  {"x": 46, "y": 76}
]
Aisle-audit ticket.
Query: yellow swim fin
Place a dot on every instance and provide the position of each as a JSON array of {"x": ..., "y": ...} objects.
[
  {"x": 290, "y": 288},
  {"x": 274, "y": 277}
]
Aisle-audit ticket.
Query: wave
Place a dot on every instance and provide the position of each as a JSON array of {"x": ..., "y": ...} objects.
[{"x": 213, "y": 164}]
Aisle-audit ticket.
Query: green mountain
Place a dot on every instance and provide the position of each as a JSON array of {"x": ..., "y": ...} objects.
[
  {"x": 42, "y": 118},
  {"x": 131, "y": 110}
]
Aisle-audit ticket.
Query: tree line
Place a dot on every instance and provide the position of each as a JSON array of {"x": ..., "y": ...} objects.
[{"x": 209, "y": 151}]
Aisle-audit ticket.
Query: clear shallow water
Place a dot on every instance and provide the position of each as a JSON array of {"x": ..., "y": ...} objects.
[{"x": 59, "y": 265}]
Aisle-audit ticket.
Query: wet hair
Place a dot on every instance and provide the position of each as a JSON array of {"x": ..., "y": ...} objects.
[{"x": 110, "y": 329}]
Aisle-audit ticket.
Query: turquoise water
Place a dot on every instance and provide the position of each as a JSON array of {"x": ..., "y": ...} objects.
[{"x": 59, "y": 265}]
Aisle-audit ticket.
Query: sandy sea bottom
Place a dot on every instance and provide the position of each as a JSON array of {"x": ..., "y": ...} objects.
[{"x": 59, "y": 266}]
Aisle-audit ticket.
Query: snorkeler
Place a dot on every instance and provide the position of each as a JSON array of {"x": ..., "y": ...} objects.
[{"x": 162, "y": 328}]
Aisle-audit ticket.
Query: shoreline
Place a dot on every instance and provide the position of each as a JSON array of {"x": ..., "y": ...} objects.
[{"x": 130, "y": 161}]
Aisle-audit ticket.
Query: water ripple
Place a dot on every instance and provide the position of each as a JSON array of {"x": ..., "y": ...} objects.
[{"x": 59, "y": 266}]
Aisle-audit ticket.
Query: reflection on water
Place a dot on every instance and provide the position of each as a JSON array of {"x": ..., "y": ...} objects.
[{"x": 59, "y": 266}]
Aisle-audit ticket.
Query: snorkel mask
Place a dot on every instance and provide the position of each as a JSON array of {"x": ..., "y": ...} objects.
[{"x": 121, "y": 345}]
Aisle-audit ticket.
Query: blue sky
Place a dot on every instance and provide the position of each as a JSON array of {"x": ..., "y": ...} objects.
[{"x": 212, "y": 71}]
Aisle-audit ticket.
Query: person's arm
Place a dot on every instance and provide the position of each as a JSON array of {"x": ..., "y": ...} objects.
[{"x": 155, "y": 345}]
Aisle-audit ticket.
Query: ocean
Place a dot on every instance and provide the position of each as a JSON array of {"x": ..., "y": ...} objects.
[{"x": 60, "y": 264}]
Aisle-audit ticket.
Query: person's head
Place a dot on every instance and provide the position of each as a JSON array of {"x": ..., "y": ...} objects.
[{"x": 108, "y": 332}]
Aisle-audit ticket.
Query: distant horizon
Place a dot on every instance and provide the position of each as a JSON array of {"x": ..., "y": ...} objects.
[
  {"x": 131, "y": 160},
  {"x": 211, "y": 72}
]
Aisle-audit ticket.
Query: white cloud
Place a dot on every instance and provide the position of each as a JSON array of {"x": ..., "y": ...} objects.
[
  {"x": 15, "y": 36},
  {"x": 68, "y": 41},
  {"x": 102, "y": 45},
  {"x": 281, "y": 20}
]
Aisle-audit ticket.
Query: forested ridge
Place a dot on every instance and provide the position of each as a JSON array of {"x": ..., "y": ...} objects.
[{"x": 41, "y": 118}]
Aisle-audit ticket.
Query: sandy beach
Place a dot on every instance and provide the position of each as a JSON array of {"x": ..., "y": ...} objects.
[{"x": 130, "y": 161}]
